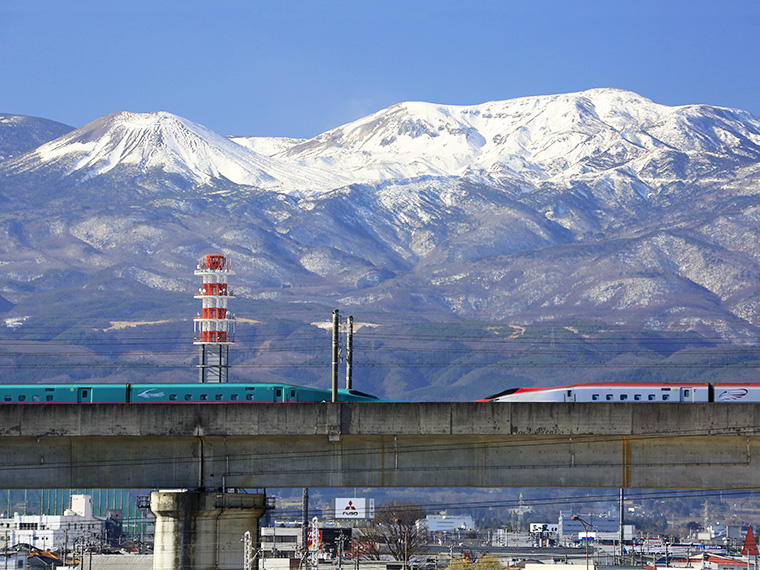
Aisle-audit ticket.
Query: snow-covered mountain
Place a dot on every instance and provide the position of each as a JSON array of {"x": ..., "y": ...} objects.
[
  {"x": 146, "y": 143},
  {"x": 600, "y": 205},
  {"x": 553, "y": 140},
  {"x": 537, "y": 139}
]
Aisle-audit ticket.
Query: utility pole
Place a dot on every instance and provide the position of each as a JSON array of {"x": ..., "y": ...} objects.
[
  {"x": 341, "y": 540},
  {"x": 350, "y": 353},
  {"x": 622, "y": 522},
  {"x": 315, "y": 542},
  {"x": 305, "y": 520},
  {"x": 247, "y": 550},
  {"x": 335, "y": 354}
]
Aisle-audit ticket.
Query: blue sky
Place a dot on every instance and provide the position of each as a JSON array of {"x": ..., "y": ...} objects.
[{"x": 298, "y": 68}]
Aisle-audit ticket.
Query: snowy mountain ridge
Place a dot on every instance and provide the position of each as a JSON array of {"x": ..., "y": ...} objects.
[
  {"x": 532, "y": 139},
  {"x": 520, "y": 144}
]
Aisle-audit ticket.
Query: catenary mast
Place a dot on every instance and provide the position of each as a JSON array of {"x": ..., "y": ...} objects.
[{"x": 215, "y": 326}]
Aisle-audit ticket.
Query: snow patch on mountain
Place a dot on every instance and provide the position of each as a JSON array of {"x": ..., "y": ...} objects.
[
  {"x": 267, "y": 146},
  {"x": 108, "y": 232}
]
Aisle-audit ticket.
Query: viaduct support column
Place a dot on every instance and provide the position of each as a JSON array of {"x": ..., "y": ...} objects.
[{"x": 201, "y": 530}]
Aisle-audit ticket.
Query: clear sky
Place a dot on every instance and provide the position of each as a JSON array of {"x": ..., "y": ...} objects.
[{"x": 298, "y": 68}]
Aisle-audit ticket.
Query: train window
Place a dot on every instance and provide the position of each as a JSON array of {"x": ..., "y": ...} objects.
[
  {"x": 188, "y": 397},
  {"x": 218, "y": 397},
  {"x": 36, "y": 398},
  {"x": 204, "y": 397},
  {"x": 637, "y": 397},
  {"x": 686, "y": 393},
  {"x": 608, "y": 397},
  {"x": 623, "y": 397},
  {"x": 172, "y": 397},
  {"x": 234, "y": 397},
  {"x": 9, "y": 398},
  {"x": 278, "y": 393},
  {"x": 49, "y": 397},
  {"x": 292, "y": 394},
  {"x": 665, "y": 397},
  {"x": 249, "y": 396},
  {"x": 595, "y": 397},
  {"x": 651, "y": 397},
  {"x": 22, "y": 398}
]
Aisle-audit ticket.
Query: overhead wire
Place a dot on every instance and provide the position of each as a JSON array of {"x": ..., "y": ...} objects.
[
  {"x": 577, "y": 497},
  {"x": 84, "y": 347}
]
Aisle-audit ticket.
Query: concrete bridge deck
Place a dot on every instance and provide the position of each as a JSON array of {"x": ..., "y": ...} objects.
[{"x": 451, "y": 444}]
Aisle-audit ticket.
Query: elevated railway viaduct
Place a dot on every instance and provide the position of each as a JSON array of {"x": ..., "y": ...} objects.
[
  {"x": 210, "y": 449},
  {"x": 451, "y": 444}
]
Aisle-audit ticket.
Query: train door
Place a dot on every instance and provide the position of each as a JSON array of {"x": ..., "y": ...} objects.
[
  {"x": 569, "y": 395},
  {"x": 290, "y": 395},
  {"x": 84, "y": 395}
]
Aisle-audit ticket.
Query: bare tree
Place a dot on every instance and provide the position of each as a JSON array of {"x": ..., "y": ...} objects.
[{"x": 394, "y": 530}]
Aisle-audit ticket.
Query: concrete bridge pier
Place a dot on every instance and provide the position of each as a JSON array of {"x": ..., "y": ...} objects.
[{"x": 202, "y": 530}]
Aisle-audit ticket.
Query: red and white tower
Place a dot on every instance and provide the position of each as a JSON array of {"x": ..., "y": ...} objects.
[{"x": 215, "y": 326}]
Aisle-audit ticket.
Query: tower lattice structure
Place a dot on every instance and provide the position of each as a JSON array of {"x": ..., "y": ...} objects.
[{"x": 214, "y": 327}]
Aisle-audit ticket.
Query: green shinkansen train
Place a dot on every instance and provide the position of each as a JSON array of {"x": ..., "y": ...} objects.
[{"x": 170, "y": 393}]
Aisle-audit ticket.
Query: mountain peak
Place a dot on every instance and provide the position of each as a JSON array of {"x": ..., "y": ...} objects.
[
  {"x": 153, "y": 140},
  {"x": 173, "y": 145}
]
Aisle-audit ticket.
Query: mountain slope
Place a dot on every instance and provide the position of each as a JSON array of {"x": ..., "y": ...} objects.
[
  {"x": 19, "y": 134},
  {"x": 596, "y": 207}
]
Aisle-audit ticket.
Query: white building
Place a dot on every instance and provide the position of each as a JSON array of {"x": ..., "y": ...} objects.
[
  {"x": 287, "y": 542},
  {"x": 77, "y": 525}
]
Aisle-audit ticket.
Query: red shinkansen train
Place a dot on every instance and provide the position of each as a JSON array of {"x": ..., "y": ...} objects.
[{"x": 633, "y": 392}]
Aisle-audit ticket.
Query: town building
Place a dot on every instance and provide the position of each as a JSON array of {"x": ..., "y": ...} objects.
[
  {"x": 77, "y": 526},
  {"x": 281, "y": 542},
  {"x": 13, "y": 559},
  {"x": 447, "y": 523},
  {"x": 570, "y": 529}
]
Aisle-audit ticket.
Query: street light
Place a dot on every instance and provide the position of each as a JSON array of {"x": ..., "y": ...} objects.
[
  {"x": 406, "y": 542},
  {"x": 586, "y": 526}
]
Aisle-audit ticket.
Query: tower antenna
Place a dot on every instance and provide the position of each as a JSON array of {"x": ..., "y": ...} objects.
[{"x": 214, "y": 328}]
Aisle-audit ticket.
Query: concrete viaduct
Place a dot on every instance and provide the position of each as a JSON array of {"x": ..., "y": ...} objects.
[
  {"x": 452, "y": 444},
  {"x": 211, "y": 449}
]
